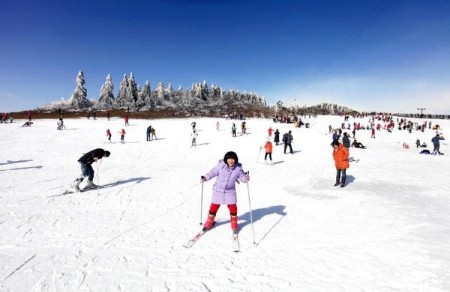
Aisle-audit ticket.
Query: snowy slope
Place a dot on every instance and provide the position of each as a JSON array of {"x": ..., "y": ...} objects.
[{"x": 388, "y": 230}]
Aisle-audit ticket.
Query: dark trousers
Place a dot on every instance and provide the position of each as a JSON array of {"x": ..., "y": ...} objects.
[
  {"x": 268, "y": 154},
  {"x": 86, "y": 170},
  {"x": 290, "y": 147},
  {"x": 341, "y": 175}
]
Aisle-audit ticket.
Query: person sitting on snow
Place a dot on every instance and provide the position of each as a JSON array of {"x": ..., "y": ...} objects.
[{"x": 357, "y": 144}]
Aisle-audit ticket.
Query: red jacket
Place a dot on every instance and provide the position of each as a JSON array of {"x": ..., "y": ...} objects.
[
  {"x": 268, "y": 147},
  {"x": 340, "y": 156}
]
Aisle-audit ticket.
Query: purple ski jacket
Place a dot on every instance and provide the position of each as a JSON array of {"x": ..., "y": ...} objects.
[{"x": 224, "y": 190}]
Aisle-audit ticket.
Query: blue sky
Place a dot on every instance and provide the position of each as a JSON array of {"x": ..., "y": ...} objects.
[{"x": 380, "y": 55}]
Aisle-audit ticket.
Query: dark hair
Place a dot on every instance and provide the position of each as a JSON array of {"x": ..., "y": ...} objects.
[
  {"x": 107, "y": 153},
  {"x": 230, "y": 154},
  {"x": 335, "y": 143}
]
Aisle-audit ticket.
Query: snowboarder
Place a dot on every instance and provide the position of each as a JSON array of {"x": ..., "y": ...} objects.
[
  {"x": 228, "y": 172},
  {"x": 340, "y": 156},
  {"x": 194, "y": 138},
  {"x": 108, "y": 134},
  {"x": 287, "y": 140},
  {"x": 86, "y": 167},
  {"x": 276, "y": 137},
  {"x": 268, "y": 147}
]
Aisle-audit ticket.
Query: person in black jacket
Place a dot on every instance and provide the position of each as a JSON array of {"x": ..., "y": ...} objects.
[
  {"x": 276, "y": 137},
  {"x": 287, "y": 140},
  {"x": 86, "y": 167}
]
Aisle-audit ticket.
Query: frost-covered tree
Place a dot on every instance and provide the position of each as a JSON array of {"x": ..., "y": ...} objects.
[
  {"x": 132, "y": 93},
  {"x": 79, "y": 96},
  {"x": 107, "y": 92},
  {"x": 122, "y": 94}
]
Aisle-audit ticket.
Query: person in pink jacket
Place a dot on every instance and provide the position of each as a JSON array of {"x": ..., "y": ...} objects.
[{"x": 228, "y": 172}]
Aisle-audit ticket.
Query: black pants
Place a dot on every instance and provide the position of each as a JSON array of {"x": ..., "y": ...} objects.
[
  {"x": 290, "y": 148},
  {"x": 268, "y": 154}
]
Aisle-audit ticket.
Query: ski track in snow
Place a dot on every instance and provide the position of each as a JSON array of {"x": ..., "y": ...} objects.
[{"x": 387, "y": 230}]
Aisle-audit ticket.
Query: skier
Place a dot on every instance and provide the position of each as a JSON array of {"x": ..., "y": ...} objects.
[
  {"x": 340, "y": 156},
  {"x": 436, "y": 143},
  {"x": 373, "y": 133},
  {"x": 27, "y": 124},
  {"x": 108, "y": 134},
  {"x": 269, "y": 131},
  {"x": 228, "y": 172},
  {"x": 276, "y": 137},
  {"x": 233, "y": 130},
  {"x": 217, "y": 126},
  {"x": 149, "y": 132},
  {"x": 126, "y": 120},
  {"x": 193, "y": 124},
  {"x": 194, "y": 138},
  {"x": 86, "y": 167},
  {"x": 268, "y": 147},
  {"x": 122, "y": 136},
  {"x": 287, "y": 140}
]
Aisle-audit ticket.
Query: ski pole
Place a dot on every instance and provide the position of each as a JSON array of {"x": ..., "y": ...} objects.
[
  {"x": 98, "y": 177},
  {"x": 201, "y": 206},
  {"x": 250, "y": 205},
  {"x": 257, "y": 160}
]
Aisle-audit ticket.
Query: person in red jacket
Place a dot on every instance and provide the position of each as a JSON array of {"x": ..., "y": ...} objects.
[
  {"x": 268, "y": 147},
  {"x": 340, "y": 156}
]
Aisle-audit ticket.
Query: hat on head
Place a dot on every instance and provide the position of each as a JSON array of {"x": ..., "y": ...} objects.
[
  {"x": 230, "y": 154},
  {"x": 335, "y": 143}
]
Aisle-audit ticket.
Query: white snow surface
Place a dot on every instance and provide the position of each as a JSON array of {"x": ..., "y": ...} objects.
[{"x": 387, "y": 230}]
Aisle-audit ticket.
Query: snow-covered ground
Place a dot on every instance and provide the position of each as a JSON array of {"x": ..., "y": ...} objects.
[{"x": 388, "y": 230}]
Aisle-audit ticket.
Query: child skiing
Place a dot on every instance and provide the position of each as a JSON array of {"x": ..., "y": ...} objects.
[
  {"x": 228, "y": 172},
  {"x": 268, "y": 147}
]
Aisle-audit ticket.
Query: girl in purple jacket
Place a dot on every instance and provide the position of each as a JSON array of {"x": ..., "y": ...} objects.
[{"x": 228, "y": 171}]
